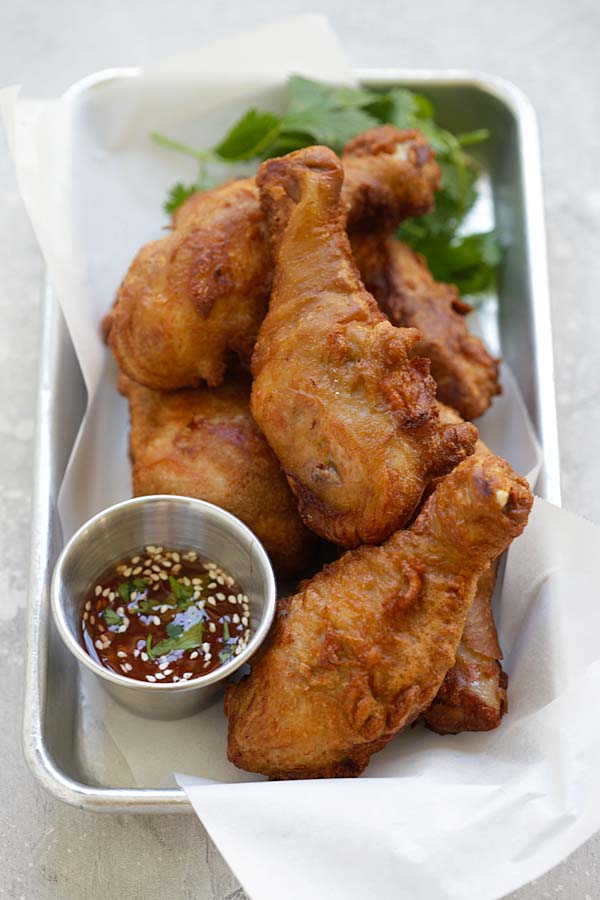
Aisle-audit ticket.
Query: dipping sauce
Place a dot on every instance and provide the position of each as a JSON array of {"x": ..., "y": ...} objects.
[{"x": 165, "y": 616}]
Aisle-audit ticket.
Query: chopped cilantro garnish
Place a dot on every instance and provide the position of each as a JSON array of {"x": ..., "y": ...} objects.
[
  {"x": 187, "y": 640},
  {"x": 111, "y": 617}
]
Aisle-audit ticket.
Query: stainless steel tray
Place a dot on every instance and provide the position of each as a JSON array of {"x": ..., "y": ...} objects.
[{"x": 54, "y": 700}]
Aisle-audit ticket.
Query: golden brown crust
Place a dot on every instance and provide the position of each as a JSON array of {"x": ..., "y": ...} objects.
[
  {"x": 389, "y": 175},
  {"x": 204, "y": 443},
  {"x": 347, "y": 409},
  {"x": 472, "y": 696},
  {"x": 361, "y": 651},
  {"x": 195, "y": 298},
  {"x": 465, "y": 373}
]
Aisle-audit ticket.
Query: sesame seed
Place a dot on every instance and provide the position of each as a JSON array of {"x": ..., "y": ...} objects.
[
  {"x": 88, "y": 605},
  {"x": 244, "y": 620},
  {"x": 156, "y": 621},
  {"x": 150, "y": 678},
  {"x": 144, "y": 657},
  {"x": 176, "y": 569},
  {"x": 168, "y": 671},
  {"x": 136, "y": 653},
  {"x": 120, "y": 611},
  {"x": 194, "y": 655},
  {"x": 134, "y": 560},
  {"x": 220, "y": 579},
  {"x": 98, "y": 590},
  {"x": 121, "y": 569},
  {"x": 186, "y": 581},
  {"x": 235, "y": 618},
  {"x": 220, "y": 596},
  {"x": 212, "y": 601},
  {"x": 101, "y": 627},
  {"x": 176, "y": 557},
  {"x": 155, "y": 568},
  {"x": 163, "y": 665},
  {"x": 231, "y": 598},
  {"x": 206, "y": 647},
  {"x": 127, "y": 572},
  {"x": 213, "y": 584},
  {"x": 99, "y": 645},
  {"x": 150, "y": 548},
  {"x": 93, "y": 620},
  {"x": 121, "y": 654},
  {"x": 112, "y": 596},
  {"x": 187, "y": 675},
  {"x": 147, "y": 572},
  {"x": 159, "y": 676},
  {"x": 167, "y": 563},
  {"x": 206, "y": 664},
  {"x": 212, "y": 627},
  {"x": 154, "y": 577},
  {"x": 176, "y": 678},
  {"x": 159, "y": 549},
  {"x": 163, "y": 576},
  {"x": 106, "y": 592},
  {"x": 86, "y": 616},
  {"x": 137, "y": 570}
]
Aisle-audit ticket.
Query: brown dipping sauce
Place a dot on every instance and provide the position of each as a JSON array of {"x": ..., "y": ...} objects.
[{"x": 165, "y": 616}]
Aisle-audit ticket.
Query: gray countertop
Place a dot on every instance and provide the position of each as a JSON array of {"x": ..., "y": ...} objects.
[{"x": 548, "y": 48}]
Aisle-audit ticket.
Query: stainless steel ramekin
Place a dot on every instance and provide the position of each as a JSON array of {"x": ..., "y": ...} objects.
[{"x": 178, "y": 523}]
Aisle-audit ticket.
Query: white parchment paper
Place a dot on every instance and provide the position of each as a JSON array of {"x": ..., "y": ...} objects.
[{"x": 469, "y": 817}]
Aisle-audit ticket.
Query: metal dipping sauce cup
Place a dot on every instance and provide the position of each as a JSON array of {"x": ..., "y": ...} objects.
[{"x": 178, "y": 523}]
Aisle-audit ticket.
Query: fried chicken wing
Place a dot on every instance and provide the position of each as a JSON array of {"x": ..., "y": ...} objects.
[
  {"x": 363, "y": 649},
  {"x": 337, "y": 391},
  {"x": 195, "y": 298},
  {"x": 204, "y": 443},
  {"x": 398, "y": 278},
  {"x": 473, "y": 694}
]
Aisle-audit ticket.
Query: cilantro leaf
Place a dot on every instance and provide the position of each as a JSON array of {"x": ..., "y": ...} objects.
[
  {"x": 330, "y": 126},
  {"x": 174, "y": 631},
  {"x": 227, "y": 652},
  {"x": 181, "y": 592},
  {"x": 469, "y": 262},
  {"x": 111, "y": 617},
  {"x": 177, "y": 196},
  {"x": 188, "y": 640},
  {"x": 126, "y": 588},
  {"x": 248, "y": 137},
  {"x": 304, "y": 93}
]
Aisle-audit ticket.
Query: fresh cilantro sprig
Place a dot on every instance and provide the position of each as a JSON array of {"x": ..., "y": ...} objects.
[{"x": 327, "y": 114}]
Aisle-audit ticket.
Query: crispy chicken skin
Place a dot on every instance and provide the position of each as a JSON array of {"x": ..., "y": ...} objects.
[
  {"x": 351, "y": 416},
  {"x": 473, "y": 694},
  {"x": 398, "y": 278},
  {"x": 363, "y": 649},
  {"x": 204, "y": 443},
  {"x": 195, "y": 298}
]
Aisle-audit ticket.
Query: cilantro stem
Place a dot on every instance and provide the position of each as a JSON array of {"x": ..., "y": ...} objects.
[
  {"x": 149, "y": 646},
  {"x": 170, "y": 144}
]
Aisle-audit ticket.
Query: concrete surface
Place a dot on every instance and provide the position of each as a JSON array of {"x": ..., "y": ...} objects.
[{"x": 549, "y": 48}]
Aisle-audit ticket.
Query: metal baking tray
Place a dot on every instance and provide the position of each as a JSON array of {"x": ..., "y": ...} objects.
[{"x": 59, "y": 741}]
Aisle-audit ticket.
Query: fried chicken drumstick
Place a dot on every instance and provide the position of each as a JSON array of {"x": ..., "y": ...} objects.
[
  {"x": 204, "y": 443},
  {"x": 363, "y": 649},
  {"x": 197, "y": 296},
  {"x": 473, "y": 694},
  {"x": 337, "y": 392},
  {"x": 398, "y": 278}
]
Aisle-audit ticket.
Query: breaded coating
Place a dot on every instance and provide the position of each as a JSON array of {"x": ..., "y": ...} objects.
[
  {"x": 194, "y": 299},
  {"x": 398, "y": 278},
  {"x": 204, "y": 443},
  {"x": 343, "y": 402},
  {"x": 363, "y": 649},
  {"x": 473, "y": 694}
]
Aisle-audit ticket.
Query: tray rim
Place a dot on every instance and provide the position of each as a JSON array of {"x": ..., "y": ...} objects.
[{"x": 147, "y": 800}]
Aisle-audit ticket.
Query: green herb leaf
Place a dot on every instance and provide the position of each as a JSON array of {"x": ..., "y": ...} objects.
[
  {"x": 177, "y": 196},
  {"x": 248, "y": 137},
  {"x": 227, "y": 652},
  {"x": 111, "y": 617},
  {"x": 126, "y": 588},
  {"x": 304, "y": 93},
  {"x": 189, "y": 640},
  {"x": 468, "y": 262},
  {"x": 333, "y": 127},
  {"x": 174, "y": 631},
  {"x": 149, "y": 650},
  {"x": 225, "y": 630},
  {"x": 181, "y": 592}
]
